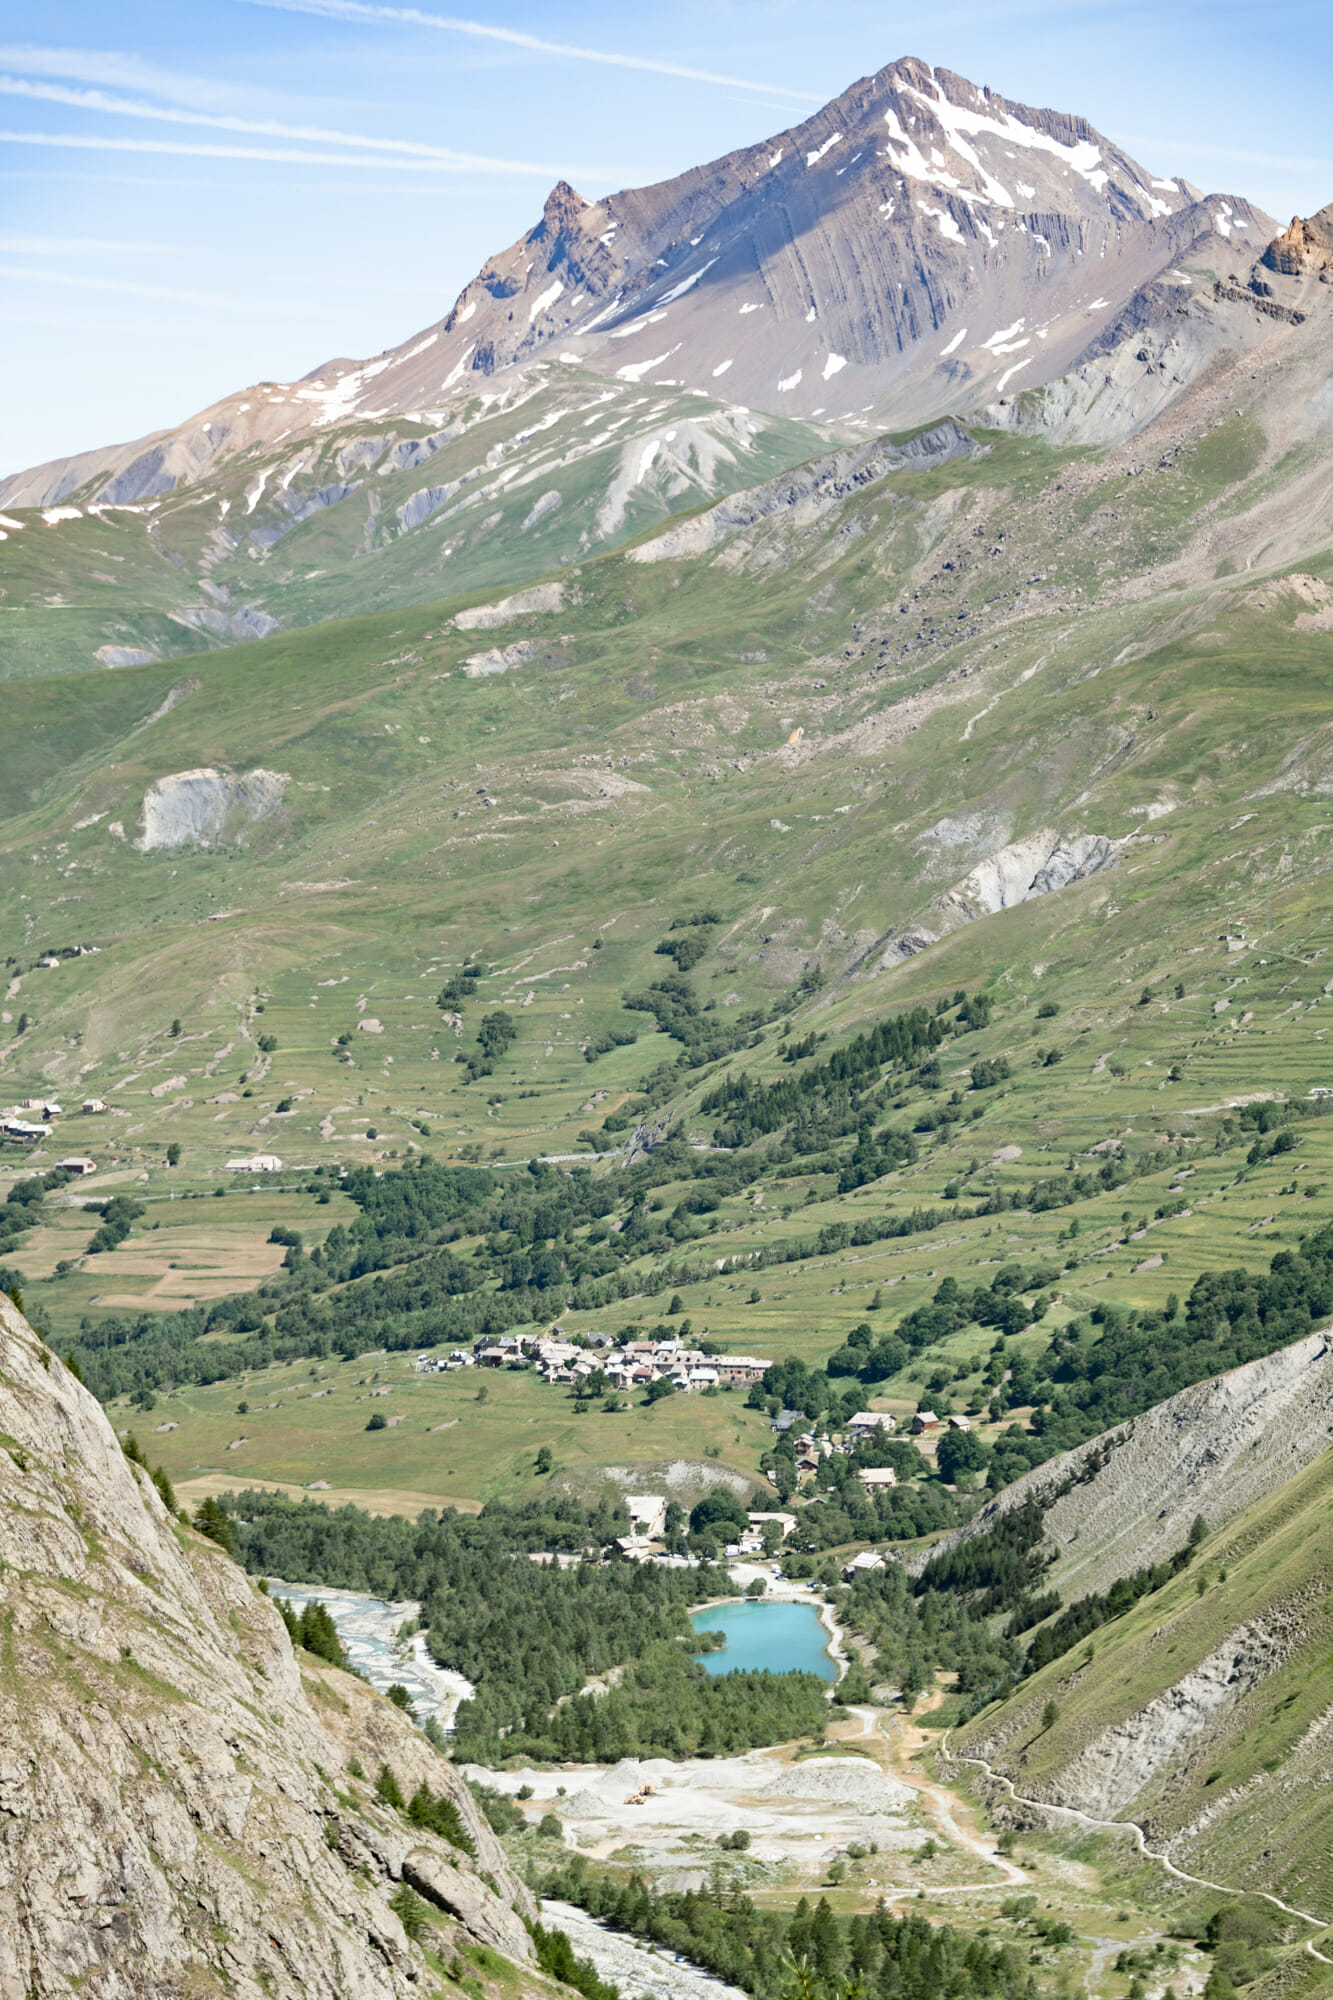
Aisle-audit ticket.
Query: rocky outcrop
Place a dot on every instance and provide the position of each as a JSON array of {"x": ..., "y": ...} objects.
[
  {"x": 538, "y": 597},
  {"x": 808, "y": 493},
  {"x": 205, "y": 807},
  {"x": 1305, "y": 246},
  {"x": 1035, "y": 866},
  {"x": 180, "y": 1810},
  {"x": 1127, "y": 1759}
]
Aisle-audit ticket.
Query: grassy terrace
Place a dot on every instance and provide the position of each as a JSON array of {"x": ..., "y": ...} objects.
[{"x": 553, "y": 821}]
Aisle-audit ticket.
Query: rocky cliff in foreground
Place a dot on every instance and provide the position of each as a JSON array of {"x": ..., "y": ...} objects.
[{"x": 179, "y": 1807}]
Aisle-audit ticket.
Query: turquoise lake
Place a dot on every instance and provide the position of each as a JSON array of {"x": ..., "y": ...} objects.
[{"x": 784, "y": 1638}]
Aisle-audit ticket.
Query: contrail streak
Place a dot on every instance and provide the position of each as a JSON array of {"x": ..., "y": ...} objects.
[
  {"x": 356, "y": 10},
  {"x": 416, "y": 151}
]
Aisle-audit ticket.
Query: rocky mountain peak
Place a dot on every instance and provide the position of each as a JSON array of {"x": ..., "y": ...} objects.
[
  {"x": 916, "y": 241},
  {"x": 176, "y": 1783},
  {"x": 564, "y": 204},
  {"x": 918, "y": 246}
]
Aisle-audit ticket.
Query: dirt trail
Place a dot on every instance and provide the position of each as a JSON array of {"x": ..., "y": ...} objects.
[
  {"x": 894, "y": 1753},
  {"x": 1131, "y": 1827}
]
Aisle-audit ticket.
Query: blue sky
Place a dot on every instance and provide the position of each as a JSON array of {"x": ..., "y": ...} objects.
[{"x": 193, "y": 197}]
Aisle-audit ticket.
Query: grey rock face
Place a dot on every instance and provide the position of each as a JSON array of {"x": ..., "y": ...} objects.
[
  {"x": 201, "y": 808},
  {"x": 142, "y": 478},
  {"x": 168, "y": 1766},
  {"x": 302, "y": 505},
  {"x": 412, "y": 452},
  {"x": 426, "y": 502},
  {"x": 1215, "y": 1449},
  {"x": 247, "y": 623}
]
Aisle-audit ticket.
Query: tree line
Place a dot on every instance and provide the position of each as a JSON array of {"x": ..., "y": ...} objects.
[
  {"x": 529, "y": 1634},
  {"x": 811, "y": 1950}
]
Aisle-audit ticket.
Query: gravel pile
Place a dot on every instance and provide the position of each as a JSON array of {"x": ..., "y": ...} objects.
[{"x": 844, "y": 1781}]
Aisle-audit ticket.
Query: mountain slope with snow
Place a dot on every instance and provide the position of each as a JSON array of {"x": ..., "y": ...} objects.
[{"x": 917, "y": 246}]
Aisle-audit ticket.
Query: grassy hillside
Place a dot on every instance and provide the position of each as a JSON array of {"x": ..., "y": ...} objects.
[
  {"x": 496, "y": 489},
  {"x": 1202, "y": 1713},
  {"x": 844, "y": 733}
]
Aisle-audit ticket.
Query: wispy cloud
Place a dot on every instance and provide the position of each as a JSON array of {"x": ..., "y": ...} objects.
[
  {"x": 406, "y": 151},
  {"x": 120, "y": 70},
  {"x": 75, "y": 246},
  {"x": 90, "y": 142},
  {"x": 82, "y": 282},
  {"x": 357, "y": 11}
]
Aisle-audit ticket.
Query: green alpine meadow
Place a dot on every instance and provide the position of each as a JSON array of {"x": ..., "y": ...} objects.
[{"x": 635, "y": 991}]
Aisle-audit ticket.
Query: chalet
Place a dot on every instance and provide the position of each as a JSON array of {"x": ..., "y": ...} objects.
[
  {"x": 784, "y": 1420},
  {"x": 869, "y": 1559},
  {"x": 92, "y": 1104},
  {"x": 877, "y": 1475},
  {"x": 78, "y": 1164},
  {"x": 958, "y": 1423},
  {"x": 866, "y": 1422},
  {"x": 19, "y": 1128},
  {"x": 924, "y": 1420},
  {"x": 637, "y": 1547},
  {"x": 785, "y": 1521}
]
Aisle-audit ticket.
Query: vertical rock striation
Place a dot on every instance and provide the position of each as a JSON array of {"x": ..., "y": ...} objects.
[{"x": 177, "y": 1814}]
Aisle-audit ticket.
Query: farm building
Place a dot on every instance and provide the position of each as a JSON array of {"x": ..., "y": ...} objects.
[{"x": 867, "y": 1421}]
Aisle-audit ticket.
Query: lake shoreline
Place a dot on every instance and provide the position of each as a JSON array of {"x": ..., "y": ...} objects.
[{"x": 832, "y": 1650}]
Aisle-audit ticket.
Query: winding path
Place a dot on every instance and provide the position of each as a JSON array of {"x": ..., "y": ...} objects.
[
  {"x": 1132, "y": 1827},
  {"x": 940, "y": 1806}
]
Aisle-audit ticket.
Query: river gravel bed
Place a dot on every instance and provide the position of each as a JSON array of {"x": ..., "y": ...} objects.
[{"x": 368, "y": 1628}]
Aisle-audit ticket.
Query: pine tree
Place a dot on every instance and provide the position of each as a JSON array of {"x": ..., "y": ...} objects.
[
  {"x": 211, "y": 1520},
  {"x": 388, "y": 1788}
]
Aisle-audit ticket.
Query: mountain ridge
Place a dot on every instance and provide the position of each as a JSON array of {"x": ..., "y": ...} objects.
[{"x": 852, "y": 284}]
